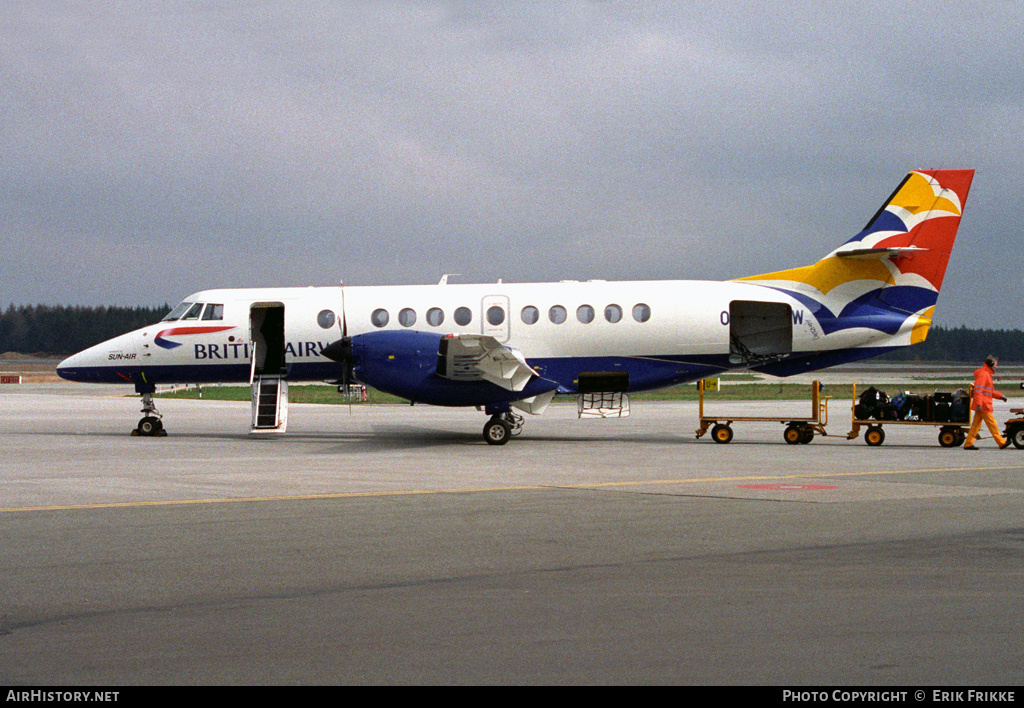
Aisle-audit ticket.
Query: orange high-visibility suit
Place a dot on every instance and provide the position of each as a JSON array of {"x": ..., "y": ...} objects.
[{"x": 981, "y": 404}]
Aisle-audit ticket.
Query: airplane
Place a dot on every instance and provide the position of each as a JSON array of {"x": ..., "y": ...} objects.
[{"x": 508, "y": 347}]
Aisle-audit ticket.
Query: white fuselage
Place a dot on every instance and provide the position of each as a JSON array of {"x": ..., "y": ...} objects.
[{"x": 550, "y": 324}]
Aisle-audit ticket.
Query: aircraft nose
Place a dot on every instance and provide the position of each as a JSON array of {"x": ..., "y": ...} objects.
[
  {"x": 72, "y": 368},
  {"x": 99, "y": 363}
]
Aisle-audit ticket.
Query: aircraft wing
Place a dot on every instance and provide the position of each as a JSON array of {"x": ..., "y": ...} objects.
[{"x": 479, "y": 357}]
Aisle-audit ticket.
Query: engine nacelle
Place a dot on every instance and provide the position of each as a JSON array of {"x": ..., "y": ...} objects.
[{"x": 405, "y": 364}]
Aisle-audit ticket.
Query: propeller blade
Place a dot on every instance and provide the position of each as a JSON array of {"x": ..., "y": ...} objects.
[{"x": 341, "y": 351}]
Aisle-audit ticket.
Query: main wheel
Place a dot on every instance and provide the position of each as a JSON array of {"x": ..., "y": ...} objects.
[
  {"x": 1017, "y": 437},
  {"x": 792, "y": 434},
  {"x": 874, "y": 436},
  {"x": 948, "y": 437},
  {"x": 721, "y": 434},
  {"x": 497, "y": 432}
]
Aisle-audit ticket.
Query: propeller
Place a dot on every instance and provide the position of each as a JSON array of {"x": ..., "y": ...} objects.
[{"x": 341, "y": 349}]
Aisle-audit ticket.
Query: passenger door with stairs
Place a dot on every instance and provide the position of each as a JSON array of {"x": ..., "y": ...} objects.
[{"x": 268, "y": 368}]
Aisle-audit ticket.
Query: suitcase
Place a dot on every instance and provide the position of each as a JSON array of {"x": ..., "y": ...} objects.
[
  {"x": 961, "y": 406},
  {"x": 901, "y": 404},
  {"x": 942, "y": 411},
  {"x": 929, "y": 409},
  {"x": 870, "y": 404},
  {"x": 918, "y": 407}
]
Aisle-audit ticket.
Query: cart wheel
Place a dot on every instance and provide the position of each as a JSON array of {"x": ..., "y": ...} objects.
[
  {"x": 948, "y": 437},
  {"x": 792, "y": 434},
  {"x": 721, "y": 434},
  {"x": 874, "y": 436},
  {"x": 1017, "y": 437},
  {"x": 806, "y": 435}
]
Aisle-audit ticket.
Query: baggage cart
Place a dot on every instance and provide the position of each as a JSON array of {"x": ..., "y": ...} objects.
[
  {"x": 797, "y": 431},
  {"x": 1014, "y": 431},
  {"x": 952, "y": 433}
]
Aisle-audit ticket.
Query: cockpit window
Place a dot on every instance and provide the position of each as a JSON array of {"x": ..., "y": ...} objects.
[
  {"x": 193, "y": 312},
  {"x": 213, "y": 312},
  {"x": 177, "y": 312}
]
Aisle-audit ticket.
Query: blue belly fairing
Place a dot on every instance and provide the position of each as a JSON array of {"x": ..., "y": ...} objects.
[{"x": 419, "y": 382}]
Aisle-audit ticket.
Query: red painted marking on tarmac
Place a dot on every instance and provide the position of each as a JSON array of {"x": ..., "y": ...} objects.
[{"x": 790, "y": 487}]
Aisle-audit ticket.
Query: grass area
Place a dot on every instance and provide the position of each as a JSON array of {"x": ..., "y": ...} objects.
[
  {"x": 314, "y": 393},
  {"x": 297, "y": 393}
]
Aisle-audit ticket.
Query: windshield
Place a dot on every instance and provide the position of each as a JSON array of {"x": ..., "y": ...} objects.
[{"x": 177, "y": 312}]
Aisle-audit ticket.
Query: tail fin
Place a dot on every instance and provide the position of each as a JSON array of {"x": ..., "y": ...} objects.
[{"x": 893, "y": 269}]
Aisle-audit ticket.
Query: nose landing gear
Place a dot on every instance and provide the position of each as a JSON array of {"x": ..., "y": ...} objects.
[{"x": 151, "y": 424}]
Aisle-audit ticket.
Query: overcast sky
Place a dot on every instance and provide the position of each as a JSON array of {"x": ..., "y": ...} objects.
[{"x": 152, "y": 149}]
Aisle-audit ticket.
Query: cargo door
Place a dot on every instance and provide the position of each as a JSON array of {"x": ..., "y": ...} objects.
[{"x": 759, "y": 331}]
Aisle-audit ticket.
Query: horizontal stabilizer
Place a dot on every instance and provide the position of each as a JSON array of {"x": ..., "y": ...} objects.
[
  {"x": 873, "y": 253},
  {"x": 478, "y": 357}
]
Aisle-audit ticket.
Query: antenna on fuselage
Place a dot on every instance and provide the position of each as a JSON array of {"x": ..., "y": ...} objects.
[{"x": 444, "y": 278}]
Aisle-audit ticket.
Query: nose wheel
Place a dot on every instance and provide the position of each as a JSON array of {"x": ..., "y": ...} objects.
[{"x": 151, "y": 424}]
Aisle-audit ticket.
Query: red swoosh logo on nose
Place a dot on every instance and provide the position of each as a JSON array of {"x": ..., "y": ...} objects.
[{"x": 176, "y": 331}]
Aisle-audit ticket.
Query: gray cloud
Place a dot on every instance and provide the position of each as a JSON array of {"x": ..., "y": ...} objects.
[{"x": 154, "y": 149}]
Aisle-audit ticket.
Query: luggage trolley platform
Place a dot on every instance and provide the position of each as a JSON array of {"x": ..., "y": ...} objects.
[
  {"x": 797, "y": 431},
  {"x": 950, "y": 412}
]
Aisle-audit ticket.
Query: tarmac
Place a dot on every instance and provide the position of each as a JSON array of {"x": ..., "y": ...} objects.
[{"x": 389, "y": 544}]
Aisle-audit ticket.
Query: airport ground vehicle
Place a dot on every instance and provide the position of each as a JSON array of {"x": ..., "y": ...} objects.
[
  {"x": 1014, "y": 431},
  {"x": 953, "y": 426}
]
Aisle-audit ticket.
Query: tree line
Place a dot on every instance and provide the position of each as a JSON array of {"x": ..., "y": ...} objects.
[
  {"x": 964, "y": 345},
  {"x": 59, "y": 330}
]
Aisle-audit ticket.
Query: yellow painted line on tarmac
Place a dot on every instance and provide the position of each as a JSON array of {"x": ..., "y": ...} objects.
[
  {"x": 796, "y": 475},
  {"x": 515, "y": 488},
  {"x": 255, "y": 500}
]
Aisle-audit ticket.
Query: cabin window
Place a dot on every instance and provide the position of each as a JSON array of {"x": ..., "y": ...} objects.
[
  {"x": 407, "y": 317},
  {"x": 613, "y": 313},
  {"x": 495, "y": 315},
  {"x": 325, "y": 319},
  {"x": 193, "y": 312},
  {"x": 530, "y": 315},
  {"x": 585, "y": 314},
  {"x": 213, "y": 312},
  {"x": 177, "y": 312},
  {"x": 557, "y": 314},
  {"x": 641, "y": 312},
  {"x": 435, "y": 316},
  {"x": 380, "y": 317},
  {"x": 463, "y": 316}
]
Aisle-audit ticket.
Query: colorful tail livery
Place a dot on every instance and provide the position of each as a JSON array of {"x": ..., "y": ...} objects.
[{"x": 887, "y": 277}]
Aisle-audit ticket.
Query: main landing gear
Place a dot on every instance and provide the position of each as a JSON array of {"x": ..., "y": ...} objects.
[
  {"x": 502, "y": 426},
  {"x": 150, "y": 425}
]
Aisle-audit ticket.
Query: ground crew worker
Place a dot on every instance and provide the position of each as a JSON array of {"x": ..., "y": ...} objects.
[{"x": 981, "y": 404}]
